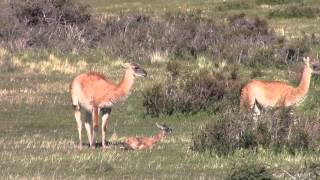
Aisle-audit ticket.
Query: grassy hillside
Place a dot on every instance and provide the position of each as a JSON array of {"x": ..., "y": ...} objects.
[
  {"x": 38, "y": 133},
  {"x": 219, "y": 9}
]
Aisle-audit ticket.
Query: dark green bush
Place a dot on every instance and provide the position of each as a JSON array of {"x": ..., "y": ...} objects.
[
  {"x": 189, "y": 93},
  {"x": 221, "y": 137},
  {"x": 279, "y": 131},
  {"x": 250, "y": 172}
]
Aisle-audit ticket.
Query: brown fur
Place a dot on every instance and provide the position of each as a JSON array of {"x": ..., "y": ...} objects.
[
  {"x": 140, "y": 143},
  {"x": 275, "y": 93},
  {"x": 93, "y": 91}
]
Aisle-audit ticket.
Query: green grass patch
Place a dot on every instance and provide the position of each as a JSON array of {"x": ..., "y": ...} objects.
[{"x": 295, "y": 11}]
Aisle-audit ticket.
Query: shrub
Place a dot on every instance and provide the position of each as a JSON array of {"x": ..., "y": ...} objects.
[
  {"x": 279, "y": 131},
  {"x": 67, "y": 26},
  {"x": 307, "y": 171},
  {"x": 297, "y": 48},
  {"x": 251, "y": 171},
  {"x": 54, "y": 24},
  {"x": 189, "y": 93},
  {"x": 32, "y": 13},
  {"x": 221, "y": 137}
]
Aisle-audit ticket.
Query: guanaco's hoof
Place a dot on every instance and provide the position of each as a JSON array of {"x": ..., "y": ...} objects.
[
  {"x": 80, "y": 147},
  {"x": 106, "y": 147}
]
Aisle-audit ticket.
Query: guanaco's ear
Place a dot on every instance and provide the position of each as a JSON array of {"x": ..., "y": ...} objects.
[
  {"x": 306, "y": 60},
  {"x": 158, "y": 125},
  {"x": 126, "y": 65}
]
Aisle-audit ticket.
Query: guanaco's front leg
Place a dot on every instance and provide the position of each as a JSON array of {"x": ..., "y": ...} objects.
[
  {"x": 104, "y": 125},
  {"x": 77, "y": 115},
  {"x": 88, "y": 126}
]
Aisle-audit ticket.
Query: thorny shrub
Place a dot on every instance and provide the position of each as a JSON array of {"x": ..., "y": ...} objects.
[
  {"x": 188, "y": 93},
  {"x": 58, "y": 24},
  {"x": 250, "y": 171},
  {"x": 279, "y": 131}
]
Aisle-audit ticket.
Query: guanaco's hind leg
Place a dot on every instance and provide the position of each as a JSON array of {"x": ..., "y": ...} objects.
[
  {"x": 88, "y": 126},
  {"x": 95, "y": 117},
  {"x": 104, "y": 125},
  {"x": 77, "y": 115}
]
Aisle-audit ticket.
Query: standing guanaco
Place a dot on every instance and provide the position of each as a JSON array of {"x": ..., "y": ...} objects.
[
  {"x": 96, "y": 94},
  {"x": 139, "y": 143},
  {"x": 277, "y": 93}
]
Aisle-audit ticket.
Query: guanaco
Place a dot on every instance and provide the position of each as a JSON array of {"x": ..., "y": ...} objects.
[
  {"x": 140, "y": 143},
  {"x": 96, "y": 94},
  {"x": 277, "y": 93}
]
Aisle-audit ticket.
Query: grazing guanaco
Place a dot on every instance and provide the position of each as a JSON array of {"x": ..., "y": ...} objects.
[
  {"x": 96, "y": 94},
  {"x": 277, "y": 93},
  {"x": 139, "y": 143}
]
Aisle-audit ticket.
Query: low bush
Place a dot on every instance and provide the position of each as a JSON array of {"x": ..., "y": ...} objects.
[
  {"x": 53, "y": 24},
  {"x": 279, "y": 131},
  {"x": 297, "y": 48},
  {"x": 250, "y": 171},
  {"x": 188, "y": 93},
  {"x": 307, "y": 171},
  {"x": 67, "y": 26}
]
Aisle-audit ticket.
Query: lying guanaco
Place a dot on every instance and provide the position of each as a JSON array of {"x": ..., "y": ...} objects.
[
  {"x": 96, "y": 94},
  {"x": 277, "y": 93},
  {"x": 140, "y": 143}
]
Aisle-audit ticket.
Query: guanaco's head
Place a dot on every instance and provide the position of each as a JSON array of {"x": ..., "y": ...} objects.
[
  {"x": 136, "y": 69},
  {"x": 164, "y": 128},
  {"x": 313, "y": 66}
]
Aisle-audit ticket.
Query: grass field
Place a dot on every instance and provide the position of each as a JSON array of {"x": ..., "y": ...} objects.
[{"x": 38, "y": 132}]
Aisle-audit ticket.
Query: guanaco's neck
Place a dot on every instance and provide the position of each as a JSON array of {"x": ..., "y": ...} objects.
[
  {"x": 304, "y": 84},
  {"x": 126, "y": 84}
]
